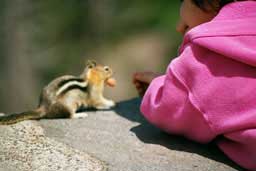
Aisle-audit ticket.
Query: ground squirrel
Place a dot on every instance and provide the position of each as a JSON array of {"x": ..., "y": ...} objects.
[{"x": 63, "y": 96}]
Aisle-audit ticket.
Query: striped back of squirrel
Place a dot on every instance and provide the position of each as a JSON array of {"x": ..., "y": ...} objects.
[{"x": 60, "y": 86}]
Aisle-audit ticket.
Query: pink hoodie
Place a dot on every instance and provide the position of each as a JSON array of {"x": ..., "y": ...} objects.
[{"x": 210, "y": 89}]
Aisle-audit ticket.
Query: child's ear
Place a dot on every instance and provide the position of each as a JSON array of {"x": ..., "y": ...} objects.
[{"x": 91, "y": 64}]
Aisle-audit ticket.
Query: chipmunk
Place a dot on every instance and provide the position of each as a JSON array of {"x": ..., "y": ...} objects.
[{"x": 63, "y": 96}]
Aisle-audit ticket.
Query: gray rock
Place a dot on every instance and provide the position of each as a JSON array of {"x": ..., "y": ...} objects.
[
  {"x": 121, "y": 138},
  {"x": 24, "y": 147}
]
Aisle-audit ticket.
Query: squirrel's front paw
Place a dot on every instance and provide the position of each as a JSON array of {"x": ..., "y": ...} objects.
[
  {"x": 110, "y": 103},
  {"x": 107, "y": 104}
]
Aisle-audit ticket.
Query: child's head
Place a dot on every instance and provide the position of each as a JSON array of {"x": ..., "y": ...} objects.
[{"x": 196, "y": 12}]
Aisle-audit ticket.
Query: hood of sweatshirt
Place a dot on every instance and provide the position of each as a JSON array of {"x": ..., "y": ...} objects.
[{"x": 235, "y": 27}]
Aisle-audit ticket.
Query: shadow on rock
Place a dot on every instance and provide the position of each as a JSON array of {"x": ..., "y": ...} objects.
[
  {"x": 147, "y": 133},
  {"x": 130, "y": 110}
]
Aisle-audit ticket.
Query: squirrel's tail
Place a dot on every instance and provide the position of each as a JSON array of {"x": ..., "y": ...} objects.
[{"x": 18, "y": 117}]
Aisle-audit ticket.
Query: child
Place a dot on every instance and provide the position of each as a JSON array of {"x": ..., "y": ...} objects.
[{"x": 209, "y": 90}]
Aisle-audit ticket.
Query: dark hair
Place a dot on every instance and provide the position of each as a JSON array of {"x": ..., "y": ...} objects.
[{"x": 203, "y": 4}]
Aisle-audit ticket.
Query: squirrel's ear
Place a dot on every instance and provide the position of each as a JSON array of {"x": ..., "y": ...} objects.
[{"x": 91, "y": 64}]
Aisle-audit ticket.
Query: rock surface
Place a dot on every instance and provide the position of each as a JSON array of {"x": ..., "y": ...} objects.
[
  {"x": 24, "y": 147},
  {"x": 121, "y": 139}
]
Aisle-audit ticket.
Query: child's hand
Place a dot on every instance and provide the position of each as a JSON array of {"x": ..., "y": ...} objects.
[{"x": 141, "y": 80}]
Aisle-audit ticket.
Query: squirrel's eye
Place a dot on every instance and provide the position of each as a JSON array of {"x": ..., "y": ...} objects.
[
  {"x": 90, "y": 66},
  {"x": 106, "y": 68}
]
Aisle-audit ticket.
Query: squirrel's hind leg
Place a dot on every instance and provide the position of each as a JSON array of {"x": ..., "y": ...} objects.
[
  {"x": 83, "y": 104},
  {"x": 73, "y": 111}
]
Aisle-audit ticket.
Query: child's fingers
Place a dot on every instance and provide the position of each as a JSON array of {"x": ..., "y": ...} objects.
[
  {"x": 140, "y": 91},
  {"x": 141, "y": 81},
  {"x": 140, "y": 77},
  {"x": 141, "y": 88},
  {"x": 134, "y": 78},
  {"x": 145, "y": 77},
  {"x": 138, "y": 85}
]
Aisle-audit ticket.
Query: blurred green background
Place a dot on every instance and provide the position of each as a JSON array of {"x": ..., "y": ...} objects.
[{"x": 43, "y": 39}]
